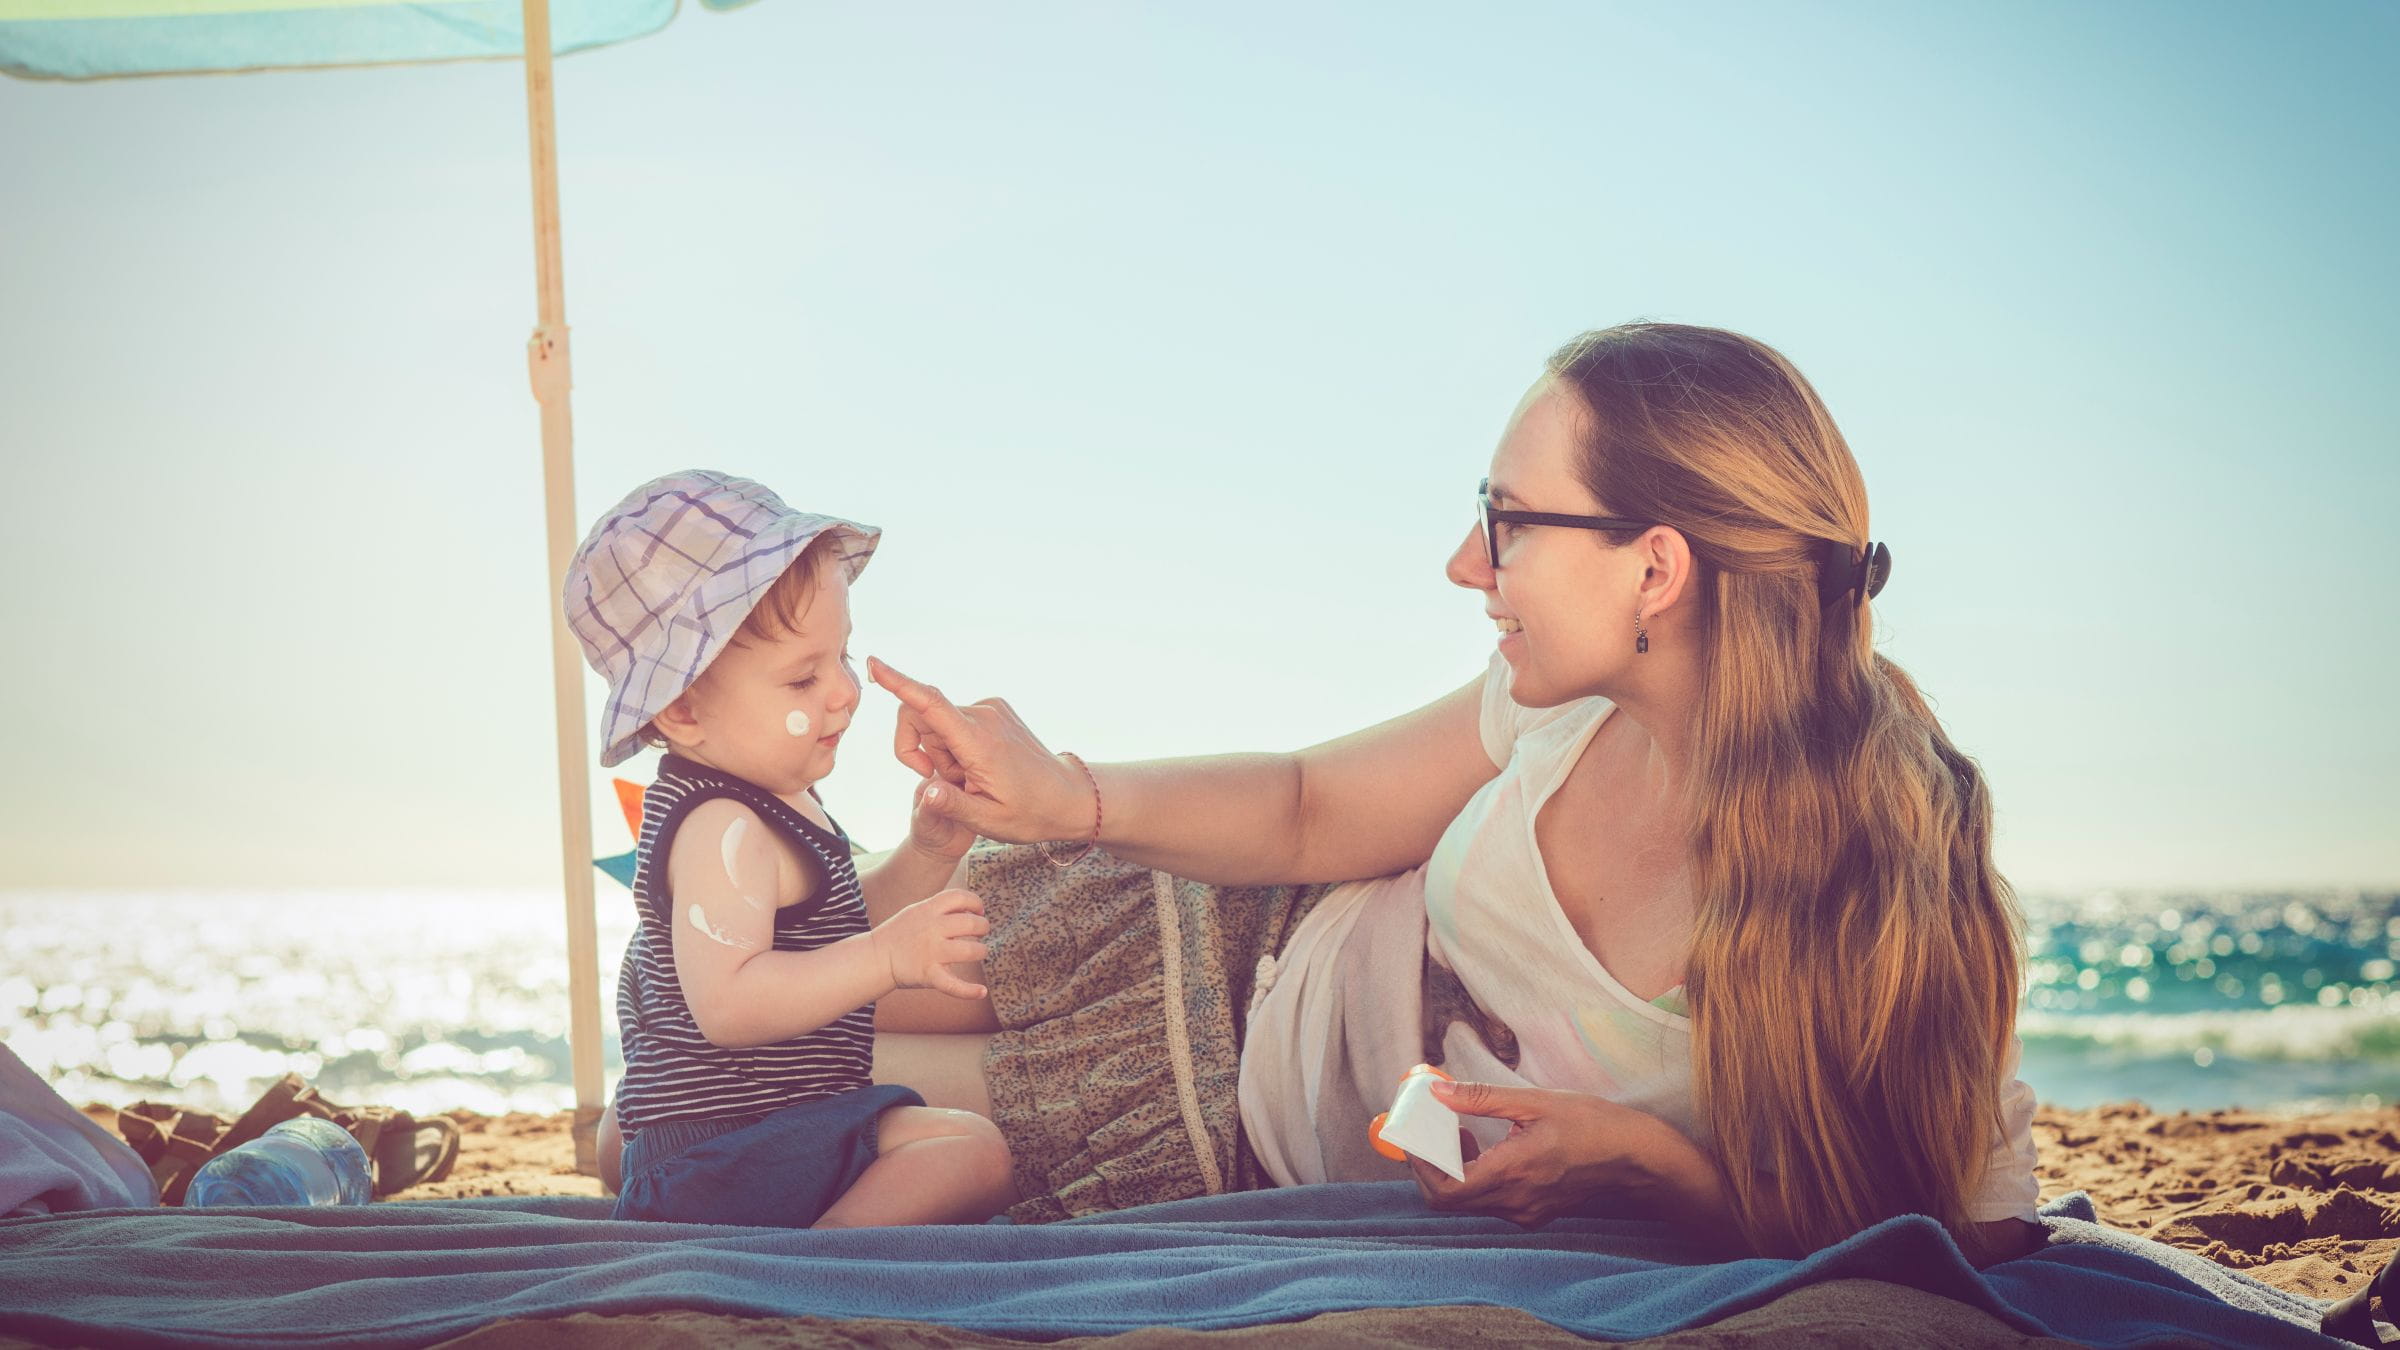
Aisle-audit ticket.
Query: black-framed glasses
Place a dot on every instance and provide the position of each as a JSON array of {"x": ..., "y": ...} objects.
[{"x": 1492, "y": 518}]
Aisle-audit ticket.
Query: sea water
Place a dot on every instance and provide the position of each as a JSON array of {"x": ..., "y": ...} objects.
[
  {"x": 2189, "y": 1001},
  {"x": 436, "y": 1000},
  {"x": 416, "y": 999}
]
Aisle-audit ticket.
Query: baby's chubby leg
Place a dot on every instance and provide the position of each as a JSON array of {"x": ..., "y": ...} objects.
[
  {"x": 611, "y": 1147},
  {"x": 932, "y": 1165}
]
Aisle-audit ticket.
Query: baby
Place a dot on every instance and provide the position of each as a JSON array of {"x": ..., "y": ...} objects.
[{"x": 721, "y": 620}]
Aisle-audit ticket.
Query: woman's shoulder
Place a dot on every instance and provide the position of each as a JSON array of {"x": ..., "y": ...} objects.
[{"x": 1505, "y": 722}]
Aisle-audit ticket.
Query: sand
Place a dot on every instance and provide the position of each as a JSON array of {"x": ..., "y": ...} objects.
[
  {"x": 1834, "y": 1313},
  {"x": 2305, "y": 1203},
  {"x": 517, "y": 1154}
]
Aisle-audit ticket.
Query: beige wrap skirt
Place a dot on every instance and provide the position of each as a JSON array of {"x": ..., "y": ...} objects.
[{"x": 1121, "y": 995}]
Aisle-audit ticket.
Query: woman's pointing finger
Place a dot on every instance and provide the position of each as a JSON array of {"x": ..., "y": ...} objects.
[{"x": 929, "y": 703}]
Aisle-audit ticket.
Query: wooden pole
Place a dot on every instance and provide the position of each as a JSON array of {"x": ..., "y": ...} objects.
[{"x": 547, "y": 357}]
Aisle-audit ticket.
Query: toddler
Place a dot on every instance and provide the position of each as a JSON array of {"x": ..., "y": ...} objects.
[{"x": 721, "y": 620}]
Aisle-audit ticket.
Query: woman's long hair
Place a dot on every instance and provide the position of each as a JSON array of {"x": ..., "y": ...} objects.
[{"x": 1854, "y": 965}]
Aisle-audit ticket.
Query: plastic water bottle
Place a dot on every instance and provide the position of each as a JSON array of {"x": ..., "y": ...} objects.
[{"x": 308, "y": 1161}]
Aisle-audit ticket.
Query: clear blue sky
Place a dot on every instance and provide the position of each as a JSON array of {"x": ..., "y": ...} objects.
[{"x": 1167, "y": 342}]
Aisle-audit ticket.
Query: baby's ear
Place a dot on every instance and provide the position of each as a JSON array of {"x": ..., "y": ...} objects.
[{"x": 675, "y": 724}]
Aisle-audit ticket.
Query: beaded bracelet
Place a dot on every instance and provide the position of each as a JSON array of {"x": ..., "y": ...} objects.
[{"x": 1094, "y": 841}]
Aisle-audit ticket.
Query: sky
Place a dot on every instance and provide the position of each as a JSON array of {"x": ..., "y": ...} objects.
[{"x": 1166, "y": 343}]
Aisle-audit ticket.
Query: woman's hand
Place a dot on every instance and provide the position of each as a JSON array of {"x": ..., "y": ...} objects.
[
  {"x": 1005, "y": 784},
  {"x": 1565, "y": 1150}
]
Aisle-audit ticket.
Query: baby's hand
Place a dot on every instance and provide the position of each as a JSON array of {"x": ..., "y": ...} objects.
[
  {"x": 920, "y": 942},
  {"x": 932, "y": 833}
]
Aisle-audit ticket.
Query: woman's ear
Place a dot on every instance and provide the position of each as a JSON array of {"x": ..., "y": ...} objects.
[{"x": 1667, "y": 565}]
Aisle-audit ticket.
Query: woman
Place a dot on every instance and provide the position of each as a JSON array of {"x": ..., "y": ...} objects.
[{"x": 1690, "y": 891}]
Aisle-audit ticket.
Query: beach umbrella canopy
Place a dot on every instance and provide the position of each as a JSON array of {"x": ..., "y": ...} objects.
[{"x": 107, "y": 39}]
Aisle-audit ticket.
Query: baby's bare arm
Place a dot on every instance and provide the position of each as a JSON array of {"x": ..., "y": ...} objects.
[
  {"x": 724, "y": 885},
  {"x": 906, "y": 875}
]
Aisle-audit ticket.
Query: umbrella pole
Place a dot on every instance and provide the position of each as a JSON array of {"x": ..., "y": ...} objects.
[{"x": 547, "y": 358}]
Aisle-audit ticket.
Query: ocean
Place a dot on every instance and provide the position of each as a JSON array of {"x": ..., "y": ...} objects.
[{"x": 438, "y": 1000}]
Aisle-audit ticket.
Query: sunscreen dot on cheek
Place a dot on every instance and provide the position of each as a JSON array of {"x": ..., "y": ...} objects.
[{"x": 796, "y": 723}]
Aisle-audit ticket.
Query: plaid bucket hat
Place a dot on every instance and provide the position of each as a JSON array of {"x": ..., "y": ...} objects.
[{"x": 662, "y": 582}]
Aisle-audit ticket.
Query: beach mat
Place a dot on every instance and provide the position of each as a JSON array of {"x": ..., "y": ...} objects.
[{"x": 414, "y": 1274}]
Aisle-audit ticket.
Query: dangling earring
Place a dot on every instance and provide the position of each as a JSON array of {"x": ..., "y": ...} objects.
[{"x": 1641, "y": 637}]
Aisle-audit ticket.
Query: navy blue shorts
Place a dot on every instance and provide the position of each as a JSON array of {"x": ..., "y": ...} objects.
[{"x": 783, "y": 1169}]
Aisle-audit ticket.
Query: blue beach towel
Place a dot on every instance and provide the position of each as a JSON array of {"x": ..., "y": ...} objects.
[{"x": 413, "y": 1273}]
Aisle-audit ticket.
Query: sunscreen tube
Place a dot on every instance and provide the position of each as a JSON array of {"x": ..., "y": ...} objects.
[{"x": 1420, "y": 1124}]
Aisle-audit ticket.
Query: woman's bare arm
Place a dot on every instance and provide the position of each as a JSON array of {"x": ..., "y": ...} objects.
[{"x": 1363, "y": 805}]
